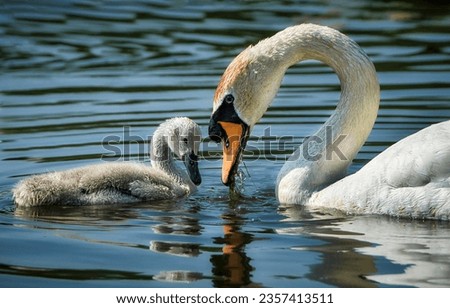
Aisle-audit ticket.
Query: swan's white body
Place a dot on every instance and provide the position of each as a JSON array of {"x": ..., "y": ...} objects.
[
  {"x": 410, "y": 179},
  {"x": 120, "y": 183}
]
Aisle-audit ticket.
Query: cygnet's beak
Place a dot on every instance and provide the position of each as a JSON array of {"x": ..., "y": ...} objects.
[
  {"x": 234, "y": 138},
  {"x": 191, "y": 162}
]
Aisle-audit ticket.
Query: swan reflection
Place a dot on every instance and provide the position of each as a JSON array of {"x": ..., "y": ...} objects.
[
  {"x": 356, "y": 249},
  {"x": 232, "y": 267},
  {"x": 177, "y": 249},
  {"x": 178, "y": 276}
]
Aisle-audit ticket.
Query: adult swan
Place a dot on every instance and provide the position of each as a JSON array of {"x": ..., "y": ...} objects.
[{"x": 409, "y": 179}]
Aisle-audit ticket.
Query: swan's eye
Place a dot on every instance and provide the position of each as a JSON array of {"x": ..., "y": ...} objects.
[
  {"x": 228, "y": 99},
  {"x": 185, "y": 140}
]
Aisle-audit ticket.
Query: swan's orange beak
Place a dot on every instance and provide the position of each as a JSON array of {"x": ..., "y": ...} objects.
[{"x": 233, "y": 142}]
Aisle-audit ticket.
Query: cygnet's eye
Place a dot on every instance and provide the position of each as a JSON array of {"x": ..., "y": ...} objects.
[{"x": 228, "y": 99}]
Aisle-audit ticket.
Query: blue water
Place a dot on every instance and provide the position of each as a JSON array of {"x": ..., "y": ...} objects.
[{"x": 74, "y": 73}]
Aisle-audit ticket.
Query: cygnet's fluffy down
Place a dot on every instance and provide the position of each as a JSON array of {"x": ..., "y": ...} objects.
[{"x": 120, "y": 183}]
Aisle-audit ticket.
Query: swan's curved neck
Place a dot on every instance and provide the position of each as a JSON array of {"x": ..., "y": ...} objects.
[
  {"x": 161, "y": 156},
  {"x": 318, "y": 160}
]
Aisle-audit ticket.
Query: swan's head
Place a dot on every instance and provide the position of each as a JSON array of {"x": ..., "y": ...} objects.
[
  {"x": 184, "y": 138},
  {"x": 243, "y": 95}
]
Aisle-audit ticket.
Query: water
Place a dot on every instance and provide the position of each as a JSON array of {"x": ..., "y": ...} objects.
[{"x": 75, "y": 73}]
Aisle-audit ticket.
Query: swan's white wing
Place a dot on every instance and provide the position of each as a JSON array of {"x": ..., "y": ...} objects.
[{"x": 409, "y": 179}]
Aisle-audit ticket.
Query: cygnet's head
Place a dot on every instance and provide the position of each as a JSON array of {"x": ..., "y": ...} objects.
[{"x": 184, "y": 138}]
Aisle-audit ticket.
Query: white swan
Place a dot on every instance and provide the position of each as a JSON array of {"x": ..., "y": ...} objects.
[
  {"x": 114, "y": 183},
  {"x": 410, "y": 179}
]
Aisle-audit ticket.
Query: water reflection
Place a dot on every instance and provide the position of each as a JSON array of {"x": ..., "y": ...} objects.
[
  {"x": 420, "y": 247},
  {"x": 72, "y": 274},
  {"x": 178, "y": 276},
  {"x": 177, "y": 225},
  {"x": 359, "y": 250},
  {"x": 86, "y": 215},
  {"x": 177, "y": 249},
  {"x": 232, "y": 268}
]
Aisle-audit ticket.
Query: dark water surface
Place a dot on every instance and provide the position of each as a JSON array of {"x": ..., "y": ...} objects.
[{"x": 76, "y": 72}]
